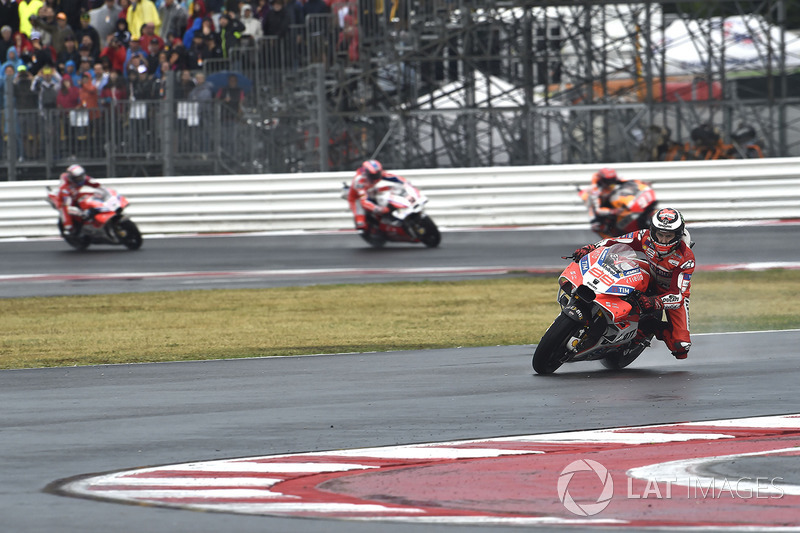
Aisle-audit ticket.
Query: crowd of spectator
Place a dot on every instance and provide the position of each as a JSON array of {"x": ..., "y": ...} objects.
[
  {"x": 88, "y": 40},
  {"x": 91, "y": 54},
  {"x": 74, "y": 53}
]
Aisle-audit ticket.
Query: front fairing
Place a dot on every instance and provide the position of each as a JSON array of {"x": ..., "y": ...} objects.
[
  {"x": 612, "y": 274},
  {"x": 594, "y": 292},
  {"x": 104, "y": 204},
  {"x": 404, "y": 198}
]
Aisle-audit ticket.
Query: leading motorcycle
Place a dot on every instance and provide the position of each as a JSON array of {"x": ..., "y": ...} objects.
[
  {"x": 103, "y": 219},
  {"x": 599, "y": 317},
  {"x": 406, "y": 221},
  {"x": 636, "y": 204}
]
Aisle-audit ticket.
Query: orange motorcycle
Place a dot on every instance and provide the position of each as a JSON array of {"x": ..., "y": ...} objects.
[{"x": 635, "y": 202}]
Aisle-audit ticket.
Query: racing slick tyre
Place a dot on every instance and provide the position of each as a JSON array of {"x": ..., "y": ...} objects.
[
  {"x": 625, "y": 356},
  {"x": 429, "y": 233},
  {"x": 129, "y": 234},
  {"x": 552, "y": 349},
  {"x": 643, "y": 222},
  {"x": 376, "y": 240},
  {"x": 77, "y": 241}
]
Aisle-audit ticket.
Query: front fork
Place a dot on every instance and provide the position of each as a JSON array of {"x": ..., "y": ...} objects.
[
  {"x": 114, "y": 231},
  {"x": 578, "y": 306}
]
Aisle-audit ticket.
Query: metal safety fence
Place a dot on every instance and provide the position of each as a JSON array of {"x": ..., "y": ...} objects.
[
  {"x": 434, "y": 84},
  {"x": 716, "y": 191}
]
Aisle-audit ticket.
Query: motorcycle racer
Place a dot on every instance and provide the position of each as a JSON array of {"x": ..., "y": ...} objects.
[
  {"x": 69, "y": 188},
  {"x": 607, "y": 202},
  {"x": 667, "y": 246},
  {"x": 604, "y": 181},
  {"x": 361, "y": 195}
]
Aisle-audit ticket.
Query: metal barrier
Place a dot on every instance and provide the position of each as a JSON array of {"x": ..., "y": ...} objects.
[
  {"x": 703, "y": 190},
  {"x": 139, "y": 131},
  {"x": 434, "y": 83}
]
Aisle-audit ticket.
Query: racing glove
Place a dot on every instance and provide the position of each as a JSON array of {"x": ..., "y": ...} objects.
[
  {"x": 650, "y": 304},
  {"x": 380, "y": 210},
  {"x": 580, "y": 252}
]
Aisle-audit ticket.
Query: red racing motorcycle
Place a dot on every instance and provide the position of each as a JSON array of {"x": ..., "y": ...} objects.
[
  {"x": 599, "y": 317},
  {"x": 103, "y": 219}
]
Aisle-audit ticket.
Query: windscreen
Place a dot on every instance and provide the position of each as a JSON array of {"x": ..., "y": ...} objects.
[{"x": 620, "y": 259}]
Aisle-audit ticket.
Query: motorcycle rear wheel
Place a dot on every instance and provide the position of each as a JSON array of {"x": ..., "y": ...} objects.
[
  {"x": 552, "y": 349},
  {"x": 76, "y": 241},
  {"x": 376, "y": 240},
  {"x": 643, "y": 222},
  {"x": 129, "y": 234},
  {"x": 625, "y": 356}
]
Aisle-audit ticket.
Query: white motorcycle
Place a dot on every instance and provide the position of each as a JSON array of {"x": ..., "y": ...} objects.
[{"x": 405, "y": 222}]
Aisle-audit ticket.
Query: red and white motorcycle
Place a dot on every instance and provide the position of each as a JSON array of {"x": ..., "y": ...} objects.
[
  {"x": 599, "y": 317},
  {"x": 101, "y": 212},
  {"x": 405, "y": 222}
]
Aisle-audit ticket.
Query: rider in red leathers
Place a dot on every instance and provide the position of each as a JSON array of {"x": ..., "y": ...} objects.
[
  {"x": 610, "y": 206},
  {"x": 667, "y": 246},
  {"x": 71, "y": 182},
  {"x": 361, "y": 195},
  {"x": 604, "y": 181}
]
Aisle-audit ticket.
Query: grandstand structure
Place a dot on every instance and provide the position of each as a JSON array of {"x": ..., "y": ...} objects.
[{"x": 472, "y": 83}]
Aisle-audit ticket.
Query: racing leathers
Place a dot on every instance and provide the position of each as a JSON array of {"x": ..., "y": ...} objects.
[
  {"x": 670, "y": 281},
  {"x": 607, "y": 206},
  {"x": 599, "y": 196},
  {"x": 68, "y": 193},
  {"x": 361, "y": 198}
]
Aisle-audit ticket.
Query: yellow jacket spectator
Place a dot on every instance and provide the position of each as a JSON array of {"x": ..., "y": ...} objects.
[
  {"x": 26, "y": 10},
  {"x": 142, "y": 12}
]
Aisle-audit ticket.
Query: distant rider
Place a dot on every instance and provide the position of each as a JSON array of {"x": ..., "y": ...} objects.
[
  {"x": 362, "y": 194},
  {"x": 666, "y": 244},
  {"x": 604, "y": 181},
  {"x": 68, "y": 191}
]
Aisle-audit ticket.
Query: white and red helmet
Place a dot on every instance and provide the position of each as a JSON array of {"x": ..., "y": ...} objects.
[
  {"x": 372, "y": 169},
  {"x": 77, "y": 175},
  {"x": 666, "y": 230}
]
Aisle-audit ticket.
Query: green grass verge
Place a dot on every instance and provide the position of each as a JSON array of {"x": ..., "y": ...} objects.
[{"x": 192, "y": 325}]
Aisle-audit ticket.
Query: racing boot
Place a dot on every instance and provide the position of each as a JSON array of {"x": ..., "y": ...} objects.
[{"x": 648, "y": 328}]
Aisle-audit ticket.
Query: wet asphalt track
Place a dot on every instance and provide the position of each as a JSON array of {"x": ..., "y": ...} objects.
[
  {"x": 268, "y": 261},
  {"x": 58, "y": 423}
]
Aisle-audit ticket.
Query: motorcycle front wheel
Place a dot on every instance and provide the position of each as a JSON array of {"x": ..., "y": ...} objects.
[
  {"x": 129, "y": 234},
  {"x": 552, "y": 349},
  {"x": 429, "y": 233}
]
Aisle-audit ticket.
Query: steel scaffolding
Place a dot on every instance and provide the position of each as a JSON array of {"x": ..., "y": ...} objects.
[
  {"x": 472, "y": 83},
  {"x": 456, "y": 83}
]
